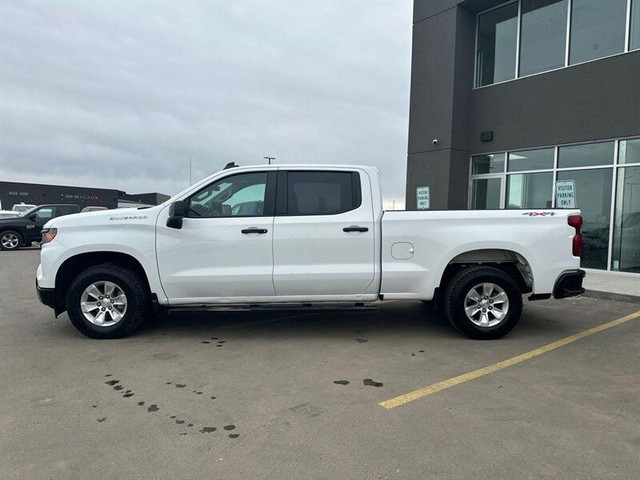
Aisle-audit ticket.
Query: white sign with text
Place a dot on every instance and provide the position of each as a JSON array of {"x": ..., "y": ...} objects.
[
  {"x": 565, "y": 194},
  {"x": 423, "y": 197}
]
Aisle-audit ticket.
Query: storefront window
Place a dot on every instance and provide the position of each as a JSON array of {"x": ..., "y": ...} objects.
[
  {"x": 593, "y": 198},
  {"x": 486, "y": 194},
  {"x": 586, "y": 155},
  {"x": 634, "y": 41},
  {"x": 629, "y": 151},
  {"x": 531, "y": 160},
  {"x": 493, "y": 163},
  {"x": 543, "y": 34},
  {"x": 626, "y": 228},
  {"x": 597, "y": 29},
  {"x": 496, "y": 47},
  {"x": 529, "y": 190}
]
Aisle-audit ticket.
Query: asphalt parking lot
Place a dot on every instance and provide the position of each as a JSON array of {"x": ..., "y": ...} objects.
[{"x": 295, "y": 395}]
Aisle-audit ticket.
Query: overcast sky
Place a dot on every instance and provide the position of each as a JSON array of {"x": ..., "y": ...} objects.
[{"x": 120, "y": 94}]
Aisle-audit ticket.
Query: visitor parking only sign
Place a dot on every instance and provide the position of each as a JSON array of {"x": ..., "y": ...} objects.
[
  {"x": 565, "y": 194},
  {"x": 423, "y": 198}
]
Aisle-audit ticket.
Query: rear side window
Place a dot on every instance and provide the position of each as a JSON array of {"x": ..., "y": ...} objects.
[
  {"x": 322, "y": 193},
  {"x": 66, "y": 210}
]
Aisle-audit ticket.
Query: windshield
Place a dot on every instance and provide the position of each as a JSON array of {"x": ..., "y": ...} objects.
[{"x": 29, "y": 212}]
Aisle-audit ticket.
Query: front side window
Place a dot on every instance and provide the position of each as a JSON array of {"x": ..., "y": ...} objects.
[
  {"x": 322, "y": 193},
  {"x": 496, "y": 45},
  {"x": 46, "y": 212},
  {"x": 597, "y": 29},
  {"x": 241, "y": 195},
  {"x": 543, "y": 33}
]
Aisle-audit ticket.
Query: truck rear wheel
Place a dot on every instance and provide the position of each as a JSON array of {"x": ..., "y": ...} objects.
[
  {"x": 107, "y": 301},
  {"x": 483, "y": 302}
]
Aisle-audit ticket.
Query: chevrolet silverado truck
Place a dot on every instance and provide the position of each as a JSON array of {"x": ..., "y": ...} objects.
[{"x": 302, "y": 235}]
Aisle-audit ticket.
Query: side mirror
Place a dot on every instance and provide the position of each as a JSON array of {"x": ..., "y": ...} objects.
[
  {"x": 33, "y": 216},
  {"x": 177, "y": 212}
]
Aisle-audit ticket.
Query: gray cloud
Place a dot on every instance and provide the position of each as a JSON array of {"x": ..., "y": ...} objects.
[{"x": 120, "y": 94}]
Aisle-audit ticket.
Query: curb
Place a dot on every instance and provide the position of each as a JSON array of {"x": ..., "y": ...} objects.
[{"x": 618, "y": 297}]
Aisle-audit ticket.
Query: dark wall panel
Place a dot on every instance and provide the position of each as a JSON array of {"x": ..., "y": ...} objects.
[
  {"x": 423, "y": 9},
  {"x": 595, "y": 100}
]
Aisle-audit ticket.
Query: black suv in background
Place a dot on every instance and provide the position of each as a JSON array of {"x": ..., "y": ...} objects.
[{"x": 27, "y": 228}]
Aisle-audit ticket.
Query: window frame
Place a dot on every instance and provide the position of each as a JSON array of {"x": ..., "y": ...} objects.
[
  {"x": 567, "y": 64},
  {"x": 282, "y": 193},
  {"x": 269, "y": 195}
]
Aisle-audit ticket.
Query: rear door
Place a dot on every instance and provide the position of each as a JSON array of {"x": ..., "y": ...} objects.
[{"x": 323, "y": 233}]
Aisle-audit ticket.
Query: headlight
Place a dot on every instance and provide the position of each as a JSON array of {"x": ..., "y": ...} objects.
[{"x": 48, "y": 234}]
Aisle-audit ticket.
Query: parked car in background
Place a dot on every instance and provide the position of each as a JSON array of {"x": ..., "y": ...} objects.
[
  {"x": 23, "y": 207},
  {"x": 9, "y": 214},
  {"x": 25, "y": 229},
  {"x": 92, "y": 208}
]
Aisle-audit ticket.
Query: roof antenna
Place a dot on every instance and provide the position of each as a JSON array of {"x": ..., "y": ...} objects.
[{"x": 230, "y": 165}]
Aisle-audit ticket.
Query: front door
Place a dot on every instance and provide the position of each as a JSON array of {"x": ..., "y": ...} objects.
[
  {"x": 223, "y": 252},
  {"x": 324, "y": 234}
]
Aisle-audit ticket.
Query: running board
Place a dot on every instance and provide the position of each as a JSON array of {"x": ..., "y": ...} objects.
[{"x": 305, "y": 307}]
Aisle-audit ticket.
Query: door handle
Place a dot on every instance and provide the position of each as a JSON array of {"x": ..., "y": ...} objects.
[
  {"x": 355, "y": 228},
  {"x": 254, "y": 230}
]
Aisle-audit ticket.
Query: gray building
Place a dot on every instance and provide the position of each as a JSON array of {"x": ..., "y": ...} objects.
[
  {"x": 12, "y": 193},
  {"x": 508, "y": 98}
]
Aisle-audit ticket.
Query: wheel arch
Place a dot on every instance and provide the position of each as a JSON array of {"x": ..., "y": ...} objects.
[
  {"x": 511, "y": 262},
  {"x": 77, "y": 263}
]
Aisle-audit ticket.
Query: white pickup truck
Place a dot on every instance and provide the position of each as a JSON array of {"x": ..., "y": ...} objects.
[{"x": 303, "y": 234}]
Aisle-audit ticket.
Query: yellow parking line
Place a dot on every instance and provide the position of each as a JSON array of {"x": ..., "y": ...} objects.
[{"x": 436, "y": 387}]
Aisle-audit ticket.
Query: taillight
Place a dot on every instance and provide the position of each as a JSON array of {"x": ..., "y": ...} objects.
[
  {"x": 49, "y": 234},
  {"x": 576, "y": 222}
]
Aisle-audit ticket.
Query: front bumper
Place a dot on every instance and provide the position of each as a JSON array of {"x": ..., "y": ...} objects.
[
  {"x": 47, "y": 296},
  {"x": 569, "y": 284}
]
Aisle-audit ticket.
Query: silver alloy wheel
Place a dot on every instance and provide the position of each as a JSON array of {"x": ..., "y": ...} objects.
[
  {"x": 10, "y": 241},
  {"x": 486, "y": 305},
  {"x": 103, "y": 303}
]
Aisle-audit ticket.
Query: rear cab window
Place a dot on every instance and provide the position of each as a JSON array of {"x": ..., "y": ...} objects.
[{"x": 321, "y": 192}]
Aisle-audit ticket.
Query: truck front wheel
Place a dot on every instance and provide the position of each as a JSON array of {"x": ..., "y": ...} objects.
[
  {"x": 107, "y": 301},
  {"x": 483, "y": 302}
]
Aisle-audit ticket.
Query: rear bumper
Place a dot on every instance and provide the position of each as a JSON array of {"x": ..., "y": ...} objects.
[{"x": 569, "y": 284}]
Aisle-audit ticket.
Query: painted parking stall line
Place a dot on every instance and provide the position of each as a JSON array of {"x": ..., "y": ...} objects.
[{"x": 436, "y": 387}]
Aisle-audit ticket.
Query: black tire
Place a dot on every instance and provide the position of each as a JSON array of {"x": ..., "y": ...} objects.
[
  {"x": 137, "y": 297},
  {"x": 13, "y": 234},
  {"x": 462, "y": 284}
]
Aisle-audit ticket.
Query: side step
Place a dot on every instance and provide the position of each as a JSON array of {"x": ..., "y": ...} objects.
[{"x": 300, "y": 307}]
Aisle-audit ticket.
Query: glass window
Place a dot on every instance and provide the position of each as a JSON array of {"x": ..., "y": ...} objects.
[
  {"x": 629, "y": 151},
  {"x": 46, "y": 212},
  {"x": 634, "y": 41},
  {"x": 486, "y": 194},
  {"x": 626, "y": 229},
  {"x": 496, "y": 45},
  {"x": 593, "y": 198},
  {"x": 597, "y": 29},
  {"x": 529, "y": 190},
  {"x": 585, "y": 155},
  {"x": 543, "y": 35},
  {"x": 493, "y": 163},
  {"x": 321, "y": 193},
  {"x": 531, "y": 160},
  {"x": 241, "y": 195}
]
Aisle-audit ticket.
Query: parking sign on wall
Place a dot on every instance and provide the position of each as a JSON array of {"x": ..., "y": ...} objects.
[
  {"x": 423, "y": 196},
  {"x": 565, "y": 194}
]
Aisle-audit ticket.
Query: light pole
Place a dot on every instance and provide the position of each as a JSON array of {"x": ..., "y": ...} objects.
[{"x": 269, "y": 159}]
